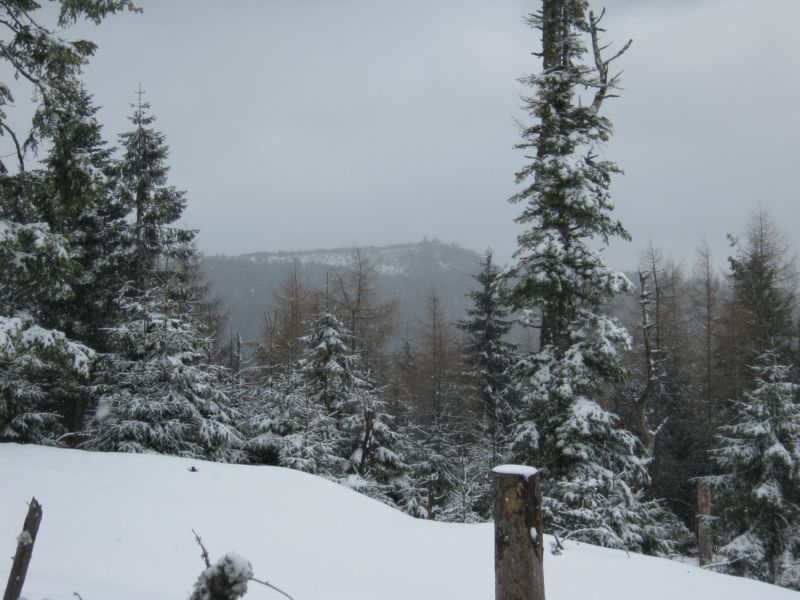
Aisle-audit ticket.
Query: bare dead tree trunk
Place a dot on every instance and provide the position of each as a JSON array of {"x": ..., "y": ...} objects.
[
  {"x": 704, "y": 272},
  {"x": 19, "y": 568},
  {"x": 518, "y": 536},
  {"x": 705, "y": 548},
  {"x": 366, "y": 443},
  {"x": 642, "y": 403}
]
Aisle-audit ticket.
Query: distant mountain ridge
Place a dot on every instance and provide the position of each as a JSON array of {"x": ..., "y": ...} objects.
[{"x": 407, "y": 273}]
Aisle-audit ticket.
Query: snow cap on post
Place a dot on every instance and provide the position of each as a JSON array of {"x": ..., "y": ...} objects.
[{"x": 522, "y": 470}]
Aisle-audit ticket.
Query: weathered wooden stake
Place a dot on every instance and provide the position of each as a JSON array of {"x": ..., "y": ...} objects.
[
  {"x": 518, "y": 536},
  {"x": 705, "y": 549},
  {"x": 19, "y": 568}
]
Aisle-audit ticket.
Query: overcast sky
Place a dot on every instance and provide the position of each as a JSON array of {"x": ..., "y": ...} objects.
[{"x": 300, "y": 124}]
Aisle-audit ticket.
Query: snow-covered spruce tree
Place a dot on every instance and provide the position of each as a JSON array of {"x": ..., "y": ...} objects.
[
  {"x": 40, "y": 264},
  {"x": 431, "y": 455},
  {"x": 78, "y": 204},
  {"x": 155, "y": 391},
  {"x": 593, "y": 478},
  {"x": 469, "y": 486},
  {"x": 42, "y": 368},
  {"x": 329, "y": 378},
  {"x": 351, "y": 416},
  {"x": 758, "y": 488},
  {"x": 282, "y": 426},
  {"x": 141, "y": 184},
  {"x": 373, "y": 443},
  {"x": 35, "y": 363},
  {"x": 36, "y": 266},
  {"x": 486, "y": 326}
]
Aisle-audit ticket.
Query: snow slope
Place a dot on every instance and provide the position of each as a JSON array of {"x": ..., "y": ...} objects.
[{"x": 119, "y": 527}]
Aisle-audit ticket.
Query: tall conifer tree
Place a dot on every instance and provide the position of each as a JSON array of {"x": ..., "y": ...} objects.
[
  {"x": 593, "y": 476},
  {"x": 41, "y": 368},
  {"x": 155, "y": 390},
  {"x": 141, "y": 183}
]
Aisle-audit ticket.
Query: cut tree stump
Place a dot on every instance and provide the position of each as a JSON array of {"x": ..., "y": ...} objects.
[
  {"x": 25, "y": 541},
  {"x": 518, "y": 536}
]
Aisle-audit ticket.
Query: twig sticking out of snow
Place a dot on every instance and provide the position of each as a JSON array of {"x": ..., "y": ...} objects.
[
  {"x": 203, "y": 548},
  {"x": 557, "y": 547}
]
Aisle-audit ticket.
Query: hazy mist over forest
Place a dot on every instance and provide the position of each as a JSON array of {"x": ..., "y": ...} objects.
[{"x": 298, "y": 126}]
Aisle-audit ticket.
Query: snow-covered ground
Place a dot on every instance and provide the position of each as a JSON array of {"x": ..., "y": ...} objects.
[{"x": 119, "y": 527}]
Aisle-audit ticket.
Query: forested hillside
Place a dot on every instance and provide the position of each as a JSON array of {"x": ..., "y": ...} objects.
[{"x": 248, "y": 285}]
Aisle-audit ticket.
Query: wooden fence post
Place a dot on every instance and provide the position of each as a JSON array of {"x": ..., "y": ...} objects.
[
  {"x": 518, "y": 536},
  {"x": 705, "y": 549},
  {"x": 19, "y": 568}
]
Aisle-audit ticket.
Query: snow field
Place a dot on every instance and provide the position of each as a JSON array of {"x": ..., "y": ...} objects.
[{"x": 119, "y": 527}]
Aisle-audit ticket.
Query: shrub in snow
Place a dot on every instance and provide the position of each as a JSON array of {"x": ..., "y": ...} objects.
[{"x": 226, "y": 580}]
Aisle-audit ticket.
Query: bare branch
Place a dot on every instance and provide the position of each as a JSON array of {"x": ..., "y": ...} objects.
[
  {"x": 15, "y": 63},
  {"x": 269, "y": 585},
  {"x": 20, "y": 153},
  {"x": 620, "y": 53},
  {"x": 599, "y": 17},
  {"x": 604, "y": 84}
]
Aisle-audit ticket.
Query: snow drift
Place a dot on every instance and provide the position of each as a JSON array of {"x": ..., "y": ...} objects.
[{"x": 119, "y": 527}]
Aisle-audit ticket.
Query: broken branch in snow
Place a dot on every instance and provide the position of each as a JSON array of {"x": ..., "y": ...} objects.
[{"x": 25, "y": 541}]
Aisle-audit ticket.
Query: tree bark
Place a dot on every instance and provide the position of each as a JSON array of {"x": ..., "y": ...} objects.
[
  {"x": 19, "y": 568},
  {"x": 642, "y": 404},
  {"x": 518, "y": 536},
  {"x": 705, "y": 549}
]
